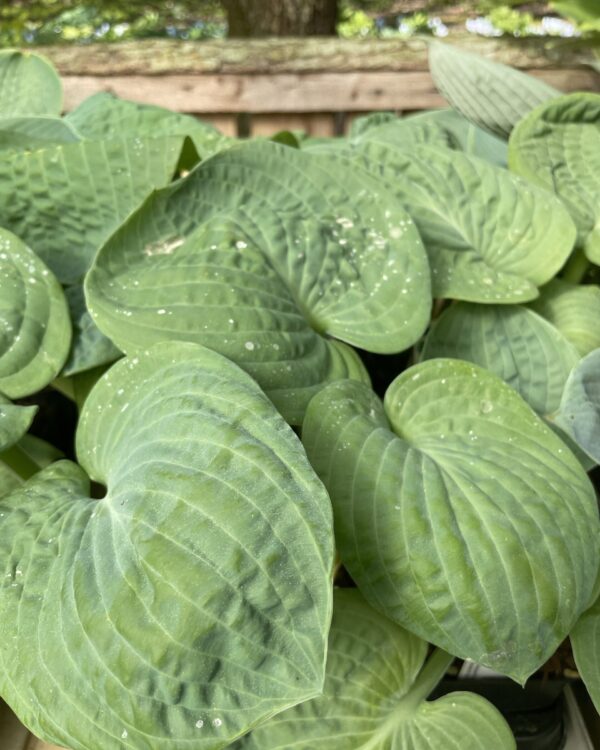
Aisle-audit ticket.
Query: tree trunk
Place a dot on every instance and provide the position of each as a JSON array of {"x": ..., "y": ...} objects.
[{"x": 256, "y": 18}]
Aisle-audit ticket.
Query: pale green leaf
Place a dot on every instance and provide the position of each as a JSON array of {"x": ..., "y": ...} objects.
[
  {"x": 65, "y": 200},
  {"x": 104, "y": 117},
  {"x": 35, "y": 330},
  {"x": 515, "y": 343},
  {"x": 574, "y": 309},
  {"x": 459, "y": 514},
  {"x": 30, "y": 133},
  {"x": 490, "y": 236},
  {"x": 29, "y": 85},
  {"x": 360, "y": 125},
  {"x": 557, "y": 147},
  {"x": 579, "y": 412},
  {"x": 492, "y": 95},
  {"x": 265, "y": 255},
  {"x": 190, "y": 603},
  {"x": 373, "y": 696}
]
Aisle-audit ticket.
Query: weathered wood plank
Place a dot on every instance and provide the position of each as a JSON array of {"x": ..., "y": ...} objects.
[
  {"x": 306, "y": 55},
  {"x": 325, "y": 92}
]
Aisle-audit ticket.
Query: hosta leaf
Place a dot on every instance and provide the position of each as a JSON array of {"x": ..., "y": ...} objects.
[
  {"x": 29, "y": 85},
  {"x": 90, "y": 347},
  {"x": 14, "y": 422},
  {"x": 65, "y": 200},
  {"x": 467, "y": 136},
  {"x": 557, "y": 147},
  {"x": 373, "y": 696},
  {"x": 515, "y": 343},
  {"x": 574, "y": 309},
  {"x": 579, "y": 412},
  {"x": 259, "y": 254},
  {"x": 190, "y": 603},
  {"x": 28, "y": 133},
  {"x": 585, "y": 640},
  {"x": 492, "y": 95},
  {"x": 29, "y": 451},
  {"x": 104, "y": 117},
  {"x": 35, "y": 330},
  {"x": 490, "y": 236},
  {"x": 360, "y": 125},
  {"x": 459, "y": 514},
  {"x": 408, "y": 131}
]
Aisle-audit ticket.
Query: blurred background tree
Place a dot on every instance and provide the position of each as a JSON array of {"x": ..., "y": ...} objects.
[{"x": 63, "y": 21}]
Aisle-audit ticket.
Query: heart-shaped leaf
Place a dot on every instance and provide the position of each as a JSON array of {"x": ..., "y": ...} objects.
[
  {"x": 35, "y": 330},
  {"x": 190, "y": 603},
  {"x": 490, "y": 236},
  {"x": 557, "y": 146},
  {"x": 262, "y": 253},
  {"x": 459, "y": 514},
  {"x": 65, "y": 200},
  {"x": 579, "y": 412},
  {"x": 28, "y": 133},
  {"x": 574, "y": 309},
  {"x": 515, "y": 343},
  {"x": 492, "y": 95},
  {"x": 374, "y": 696},
  {"x": 104, "y": 117},
  {"x": 29, "y": 85}
]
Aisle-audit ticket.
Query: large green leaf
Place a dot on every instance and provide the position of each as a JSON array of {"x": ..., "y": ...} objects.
[
  {"x": 459, "y": 514},
  {"x": 28, "y": 133},
  {"x": 585, "y": 640},
  {"x": 14, "y": 422},
  {"x": 407, "y": 132},
  {"x": 263, "y": 253},
  {"x": 574, "y": 309},
  {"x": 29, "y": 85},
  {"x": 515, "y": 343},
  {"x": 490, "y": 236},
  {"x": 90, "y": 348},
  {"x": 29, "y": 452},
  {"x": 35, "y": 330},
  {"x": 579, "y": 412},
  {"x": 557, "y": 147},
  {"x": 104, "y": 117},
  {"x": 65, "y": 200},
  {"x": 374, "y": 696},
  {"x": 492, "y": 95},
  {"x": 190, "y": 603}
]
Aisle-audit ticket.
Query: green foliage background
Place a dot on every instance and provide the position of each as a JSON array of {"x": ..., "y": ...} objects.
[{"x": 67, "y": 21}]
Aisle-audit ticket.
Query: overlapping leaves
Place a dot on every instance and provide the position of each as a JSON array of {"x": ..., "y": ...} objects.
[
  {"x": 263, "y": 253},
  {"x": 490, "y": 237},
  {"x": 456, "y": 508},
  {"x": 191, "y": 602},
  {"x": 557, "y": 146},
  {"x": 374, "y": 696}
]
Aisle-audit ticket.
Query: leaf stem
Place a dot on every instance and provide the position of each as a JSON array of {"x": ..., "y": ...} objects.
[
  {"x": 20, "y": 462},
  {"x": 433, "y": 671},
  {"x": 576, "y": 267}
]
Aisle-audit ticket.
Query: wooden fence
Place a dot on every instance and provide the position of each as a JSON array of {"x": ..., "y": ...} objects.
[{"x": 319, "y": 85}]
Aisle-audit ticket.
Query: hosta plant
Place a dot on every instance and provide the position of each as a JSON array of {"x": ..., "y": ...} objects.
[{"x": 237, "y": 374}]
